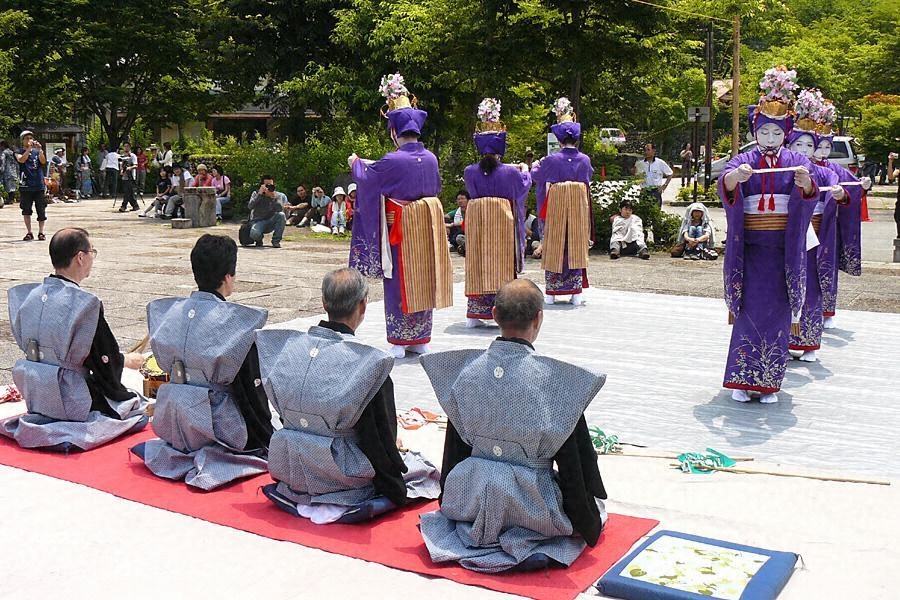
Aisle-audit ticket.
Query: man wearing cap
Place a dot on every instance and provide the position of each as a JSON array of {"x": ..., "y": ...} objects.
[{"x": 32, "y": 160}]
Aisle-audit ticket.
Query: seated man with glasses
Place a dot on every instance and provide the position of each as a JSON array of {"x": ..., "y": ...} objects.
[{"x": 71, "y": 376}]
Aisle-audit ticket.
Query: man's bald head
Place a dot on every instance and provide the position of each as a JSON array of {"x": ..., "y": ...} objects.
[{"x": 518, "y": 309}]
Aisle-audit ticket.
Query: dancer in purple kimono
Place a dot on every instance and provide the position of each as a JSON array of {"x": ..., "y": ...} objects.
[
  {"x": 495, "y": 217},
  {"x": 769, "y": 197},
  {"x": 849, "y": 253},
  {"x": 385, "y": 188},
  {"x": 567, "y": 165},
  {"x": 820, "y": 259}
]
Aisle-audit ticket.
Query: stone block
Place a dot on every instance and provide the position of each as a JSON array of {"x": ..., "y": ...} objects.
[
  {"x": 200, "y": 206},
  {"x": 182, "y": 224}
]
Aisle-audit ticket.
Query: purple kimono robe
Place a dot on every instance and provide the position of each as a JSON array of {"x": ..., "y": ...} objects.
[
  {"x": 849, "y": 218},
  {"x": 408, "y": 173},
  {"x": 765, "y": 271},
  {"x": 505, "y": 182},
  {"x": 566, "y": 165},
  {"x": 820, "y": 263}
]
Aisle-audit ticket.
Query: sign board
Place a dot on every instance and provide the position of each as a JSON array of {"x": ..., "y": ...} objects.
[
  {"x": 552, "y": 144},
  {"x": 698, "y": 114}
]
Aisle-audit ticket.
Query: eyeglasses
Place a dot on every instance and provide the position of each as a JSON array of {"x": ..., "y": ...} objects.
[{"x": 91, "y": 251}]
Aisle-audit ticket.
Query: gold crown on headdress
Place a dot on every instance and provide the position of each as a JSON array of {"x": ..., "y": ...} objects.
[
  {"x": 566, "y": 118},
  {"x": 824, "y": 129},
  {"x": 774, "y": 109},
  {"x": 489, "y": 126},
  {"x": 402, "y": 102},
  {"x": 805, "y": 124}
]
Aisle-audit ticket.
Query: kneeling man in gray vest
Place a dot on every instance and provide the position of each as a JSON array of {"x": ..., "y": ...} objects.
[
  {"x": 336, "y": 460},
  {"x": 513, "y": 414},
  {"x": 71, "y": 376}
]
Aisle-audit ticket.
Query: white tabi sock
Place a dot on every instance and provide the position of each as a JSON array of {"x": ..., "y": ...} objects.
[
  {"x": 548, "y": 299},
  {"x": 768, "y": 399},
  {"x": 809, "y": 356},
  {"x": 829, "y": 323},
  {"x": 398, "y": 351},
  {"x": 577, "y": 299},
  {"x": 740, "y": 395},
  {"x": 419, "y": 348},
  {"x": 473, "y": 323}
]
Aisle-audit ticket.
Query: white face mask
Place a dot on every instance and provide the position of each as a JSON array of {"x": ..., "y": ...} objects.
[
  {"x": 805, "y": 145},
  {"x": 824, "y": 150},
  {"x": 769, "y": 138}
]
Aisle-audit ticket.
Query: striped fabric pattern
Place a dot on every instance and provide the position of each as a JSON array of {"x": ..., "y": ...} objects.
[
  {"x": 765, "y": 222},
  {"x": 816, "y": 222},
  {"x": 427, "y": 274},
  {"x": 490, "y": 245},
  {"x": 568, "y": 226}
]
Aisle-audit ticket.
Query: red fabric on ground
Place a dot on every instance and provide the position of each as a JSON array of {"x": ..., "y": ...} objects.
[{"x": 393, "y": 540}]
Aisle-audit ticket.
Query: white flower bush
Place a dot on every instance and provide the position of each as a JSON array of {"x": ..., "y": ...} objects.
[{"x": 606, "y": 193}]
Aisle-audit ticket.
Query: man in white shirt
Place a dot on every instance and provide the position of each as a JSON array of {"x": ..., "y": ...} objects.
[
  {"x": 164, "y": 158},
  {"x": 129, "y": 168},
  {"x": 656, "y": 173},
  {"x": 111, "y": 166},
  {"x": 181, "y": 178}
]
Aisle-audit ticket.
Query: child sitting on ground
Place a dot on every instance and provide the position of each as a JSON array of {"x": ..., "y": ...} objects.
[
  {"x": 338, "y": 211},
  {"x": 627, "y": 234},
  {"x": 697, "y": 234}
]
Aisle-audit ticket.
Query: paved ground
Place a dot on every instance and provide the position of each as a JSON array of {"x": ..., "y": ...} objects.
[{"x": 143, "y": 259}]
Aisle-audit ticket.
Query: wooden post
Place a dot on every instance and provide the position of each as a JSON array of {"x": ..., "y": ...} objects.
[{"x": 736, "y": 90}]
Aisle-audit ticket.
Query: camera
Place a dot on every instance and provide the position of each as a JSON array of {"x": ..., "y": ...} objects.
[{"x": 270, "y": 187}]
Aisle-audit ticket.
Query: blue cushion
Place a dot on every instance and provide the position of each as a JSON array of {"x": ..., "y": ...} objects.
[{"x": 680, "y": 566}]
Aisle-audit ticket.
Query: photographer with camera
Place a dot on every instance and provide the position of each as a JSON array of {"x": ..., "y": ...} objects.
[
  {"x": 267, "y": 212},
  {"x": 32, "y": 190}
]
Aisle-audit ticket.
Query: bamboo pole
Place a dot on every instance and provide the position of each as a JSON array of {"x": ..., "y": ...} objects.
[
  {"x": 789, "y": 474},
  {"x": 736, "y": 90}
]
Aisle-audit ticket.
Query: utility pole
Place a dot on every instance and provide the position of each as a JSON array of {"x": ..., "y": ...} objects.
[
  {"x": 707, "y": 169},
  {"x": 736, "y": 89}
]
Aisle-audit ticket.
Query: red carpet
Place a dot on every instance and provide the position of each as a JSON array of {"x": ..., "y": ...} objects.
[{"x": 392, "y": 540}]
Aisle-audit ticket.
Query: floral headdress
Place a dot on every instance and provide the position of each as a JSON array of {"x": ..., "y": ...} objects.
[
  {"x": 827, "y": 116},
  {"x": 489, "y": 116},
  {"x": 564, "y": 110},
  {"x": 393, "y": 88},
  {"x": 777, "y": 85},
  {"x": 808, "y": 109}
]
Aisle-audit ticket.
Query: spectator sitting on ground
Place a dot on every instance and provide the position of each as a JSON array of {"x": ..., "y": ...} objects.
[
  {"x": 181, "y": 178},
  {"x": 298, "y": 211},
  {"x": 267, "y": 212},
  {"x": 222, "y": 183},
  {"x": 532, "y": 236},
  {"x": 338, "y": 211},
  {"x": 454, "y": 222},
  {"x": 203, "y": 178},
  {"x": 320, "y": 202},
  {"x": 695, "y": 238},
  {"x": 627, "y": 234},
  {"x": 163, "y": 191},
  {"x": 351, "y": 203}
]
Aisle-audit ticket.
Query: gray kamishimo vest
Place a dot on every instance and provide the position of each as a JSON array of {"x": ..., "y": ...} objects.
[
  {"x": 201, "y": 341},
  {"x": 320, "y": 382}
]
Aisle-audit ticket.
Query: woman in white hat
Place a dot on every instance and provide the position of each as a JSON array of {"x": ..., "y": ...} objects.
[{"x": 337, "y": 211}]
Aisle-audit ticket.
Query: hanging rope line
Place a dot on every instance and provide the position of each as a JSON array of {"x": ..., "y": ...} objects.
[{"x": 683, "y": 11}]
